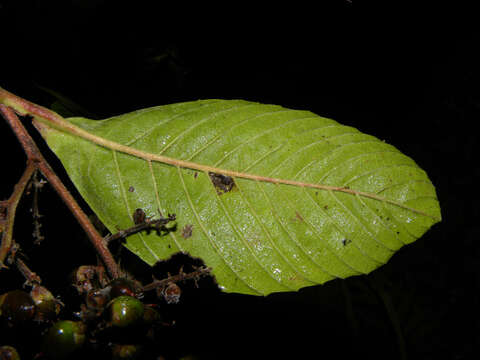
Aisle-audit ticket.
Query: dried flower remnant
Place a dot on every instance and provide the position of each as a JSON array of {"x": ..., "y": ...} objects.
[
  {"x": 139, "y": 216},
  {"x": 171, "y": 293},
  {"x": 222, "y": 183},
  {"x": 187, "y": 231}
]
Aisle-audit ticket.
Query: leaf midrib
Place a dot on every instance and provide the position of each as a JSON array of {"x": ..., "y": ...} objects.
[{"x": 61, "y": 124}]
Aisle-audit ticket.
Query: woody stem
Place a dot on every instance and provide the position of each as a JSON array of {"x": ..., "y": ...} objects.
[{"x": 35, "y": 157}]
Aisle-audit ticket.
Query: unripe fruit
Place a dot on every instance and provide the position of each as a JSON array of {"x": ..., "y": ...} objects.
[
  {"x": 64, "y": 338},
  {"x": 8, "y": 353},
  {"x": 150, "y": 315},
  {"x": 47, "y": 306},
  {"x": 121, "y": 287},
  {"x": 97, "y": 299},
  {"x": 17, "y": 306},
  {"x": 126, "y": 351},
  {"x": 125, "y": 311}
]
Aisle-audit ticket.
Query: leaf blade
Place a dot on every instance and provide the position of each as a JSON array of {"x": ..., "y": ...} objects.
[{"x": 312, "y": 199}]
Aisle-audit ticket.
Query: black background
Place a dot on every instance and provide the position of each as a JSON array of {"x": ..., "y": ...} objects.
[{"x": 407, "y": 75}]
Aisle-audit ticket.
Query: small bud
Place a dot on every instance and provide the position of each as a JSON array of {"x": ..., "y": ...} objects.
[
  {"x": 83, "y": 278},
  {"x": 139, "y": 216},
  {"x": 172, "y": 293}
]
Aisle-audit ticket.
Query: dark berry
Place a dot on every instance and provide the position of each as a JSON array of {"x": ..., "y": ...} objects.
[
  {"x": 17, "y": 306},
  {"x": 97, "y": 299},
  {"x": 122, "y": 287}
]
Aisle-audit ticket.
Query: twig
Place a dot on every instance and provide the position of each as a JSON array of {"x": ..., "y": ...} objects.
[
  {"x": 158, "y": 224},
  {"x": 37, "y": 161},
  {"x": 201, "y": 271},
  {"x": 11, "y": 206},
  {"x": 31, "y": 278},
  {"x": 37, "y": 185}
]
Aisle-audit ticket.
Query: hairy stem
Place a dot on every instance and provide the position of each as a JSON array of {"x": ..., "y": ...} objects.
[{"x": 197, "y": 273}]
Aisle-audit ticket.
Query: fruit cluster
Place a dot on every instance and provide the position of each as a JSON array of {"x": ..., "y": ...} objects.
[{"x": 113, "y": 319}]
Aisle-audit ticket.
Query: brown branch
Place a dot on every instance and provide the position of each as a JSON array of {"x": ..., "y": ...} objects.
[
  {"x": 11, "y": 206},
  {"x": 35, "y": 157}
]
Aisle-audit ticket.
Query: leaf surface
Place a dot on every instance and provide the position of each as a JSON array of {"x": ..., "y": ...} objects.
[{"x": 271, "y": 199}]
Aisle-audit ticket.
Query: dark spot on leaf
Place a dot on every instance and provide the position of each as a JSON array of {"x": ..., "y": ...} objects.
[
  {"x": 345, "y": 242},
  {"x": 131, "y": 189},
  {"x": 187, "y": 231},
  {"x": 326, "y": 207},
  {"x": 298, "y": 216},
  {"x": 195, "y": 175},
  {"x": 222, "y": 183},
  {"x": 139, "y": 216}
]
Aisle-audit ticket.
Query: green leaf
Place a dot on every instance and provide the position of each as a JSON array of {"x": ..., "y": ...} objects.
[{"x": 271, "y": 199}]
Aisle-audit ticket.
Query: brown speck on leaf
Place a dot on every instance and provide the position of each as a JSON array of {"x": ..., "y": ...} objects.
[
  {"x": 298, "y": 216},
  {"x": 187, "y": 231},
  {"x": 222, "y": 183},
  {"x": 326, "y": 207},
  {"x": 131, "y": 189},
  {"x": 139, "y": 216},
  {"x": 195, "y": 175},
  {"x": 345, "y": 242}
]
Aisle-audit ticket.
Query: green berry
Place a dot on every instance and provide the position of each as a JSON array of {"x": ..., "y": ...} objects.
[
  {"x": 125, "y": 311},
  {"x": 47, "y": 306},
  {"x": 8, "y": 353},
  {"x": 64, "y": 338},
  {"x": 126, "y": 351},
  {"x": 151, "y": 315}
]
